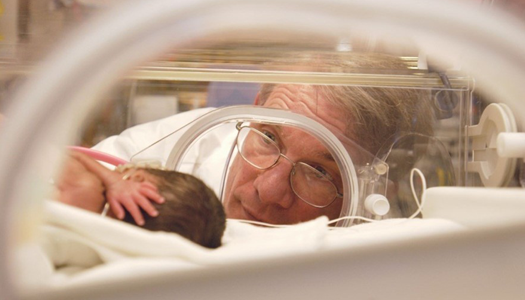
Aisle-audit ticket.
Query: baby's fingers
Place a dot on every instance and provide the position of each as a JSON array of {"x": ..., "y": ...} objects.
[
  {"x": 117, "y": 209},
  {"x": 135, "y": 212},
  {"x": 149, "y": 185},
  {"x": 147, "y": 206},
  {"x": 153, "y": 195}
]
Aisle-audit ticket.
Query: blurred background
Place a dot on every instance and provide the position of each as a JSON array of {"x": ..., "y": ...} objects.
[{"x": 30, "y": 29}]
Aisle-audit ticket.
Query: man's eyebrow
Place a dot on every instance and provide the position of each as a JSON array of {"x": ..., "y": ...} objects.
[
  {"x": 278, "y": 127},
  {"x": 326, "y": 156}
]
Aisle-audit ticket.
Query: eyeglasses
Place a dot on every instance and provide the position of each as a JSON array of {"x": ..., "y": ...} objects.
[{"x": 309, "y": 184}]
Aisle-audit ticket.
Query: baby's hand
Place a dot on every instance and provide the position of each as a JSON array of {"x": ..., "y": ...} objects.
[{"x": 133, "y": 196}]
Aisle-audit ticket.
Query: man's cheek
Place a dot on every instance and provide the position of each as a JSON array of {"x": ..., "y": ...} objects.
[
  {"x": 242, "y": 170},
  {"x": 247, "y": 174}
]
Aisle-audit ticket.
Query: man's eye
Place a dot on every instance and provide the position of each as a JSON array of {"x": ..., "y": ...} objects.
[
  {"x": 269, "y": 135},
  {"x": 321, "y": 172}
]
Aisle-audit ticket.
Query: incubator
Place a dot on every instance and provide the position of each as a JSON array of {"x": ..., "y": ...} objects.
[{"x": 419, "y": 183}]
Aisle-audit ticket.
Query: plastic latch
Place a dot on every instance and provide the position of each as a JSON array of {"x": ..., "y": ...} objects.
[{"x": 494, "y": 170}]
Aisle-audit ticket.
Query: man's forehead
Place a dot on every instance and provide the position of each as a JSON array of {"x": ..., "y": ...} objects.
[
  {"x": 310, "y": 102},
  {"x": 302, "y": 99}
]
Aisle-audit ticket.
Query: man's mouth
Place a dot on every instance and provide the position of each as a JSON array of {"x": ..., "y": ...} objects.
[{"x": 250, "y": 216}]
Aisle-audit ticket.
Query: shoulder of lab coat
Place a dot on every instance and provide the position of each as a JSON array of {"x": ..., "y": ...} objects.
[{"x": 136, "y": 138}]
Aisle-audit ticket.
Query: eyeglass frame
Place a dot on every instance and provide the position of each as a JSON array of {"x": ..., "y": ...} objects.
[{"x": 239, "y": 126}]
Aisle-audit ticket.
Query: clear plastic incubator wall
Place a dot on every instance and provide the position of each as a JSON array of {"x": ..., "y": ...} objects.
[{"x": 417, "y": 106}]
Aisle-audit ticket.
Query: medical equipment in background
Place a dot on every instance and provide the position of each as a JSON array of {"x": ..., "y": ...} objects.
[
  {"x": 404, "y": 150},
  {"x": 149, "y": 108},
  {"x": 494, "y": 59}
]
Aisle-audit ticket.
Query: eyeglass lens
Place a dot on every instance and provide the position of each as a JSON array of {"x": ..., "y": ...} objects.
[{"x": 308, "y": 183}]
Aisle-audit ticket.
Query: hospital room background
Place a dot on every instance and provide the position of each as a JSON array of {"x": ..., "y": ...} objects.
[{"x": 77, "y": 72}]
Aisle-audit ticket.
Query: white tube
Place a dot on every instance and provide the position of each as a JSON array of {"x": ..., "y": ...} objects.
[{"x": 511, "y": 145}]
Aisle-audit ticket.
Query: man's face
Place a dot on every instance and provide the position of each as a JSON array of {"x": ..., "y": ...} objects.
[{"x": 266, "y": 195}]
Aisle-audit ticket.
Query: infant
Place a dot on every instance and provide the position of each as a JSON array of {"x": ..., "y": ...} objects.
[{"x": 155, "y": 199}]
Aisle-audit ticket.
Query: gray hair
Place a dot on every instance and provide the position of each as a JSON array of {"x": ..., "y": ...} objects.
[{"x": 377, "y": 114}]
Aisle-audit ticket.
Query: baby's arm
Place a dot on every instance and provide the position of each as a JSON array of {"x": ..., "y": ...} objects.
[
  {"x": 79, "y": 187},
  {"x": 123, "y": 194}
]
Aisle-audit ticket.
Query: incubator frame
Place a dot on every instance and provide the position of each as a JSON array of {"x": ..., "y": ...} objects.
[{"x": 88, "y": 61}]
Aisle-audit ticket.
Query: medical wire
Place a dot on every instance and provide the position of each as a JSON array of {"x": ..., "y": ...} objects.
[{"x": 419, "y": 203}]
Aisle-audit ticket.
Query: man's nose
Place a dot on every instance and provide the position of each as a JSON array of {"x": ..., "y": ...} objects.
[{"x": 273, "y": 185}]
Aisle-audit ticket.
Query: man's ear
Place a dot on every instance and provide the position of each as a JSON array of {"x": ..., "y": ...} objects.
[
  {"x": 392, "y": 196},
  {"x": 257, "y": 99},
  {"x": 392, "y": 189}
]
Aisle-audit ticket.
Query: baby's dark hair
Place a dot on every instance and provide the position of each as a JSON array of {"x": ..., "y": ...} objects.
[{"x": 191, "y": 209}]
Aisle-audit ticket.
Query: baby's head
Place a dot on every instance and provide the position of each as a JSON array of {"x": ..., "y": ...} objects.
[{"x": 191, "y": 208}]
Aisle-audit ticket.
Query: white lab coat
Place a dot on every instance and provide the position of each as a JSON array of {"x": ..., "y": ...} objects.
[
  {"x": 207, "y": 157},
  {"x": 136, "y": 138}
]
